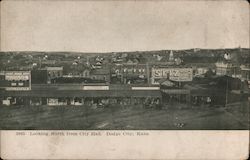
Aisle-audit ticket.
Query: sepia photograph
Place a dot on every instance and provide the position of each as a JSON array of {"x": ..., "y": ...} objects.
[
  {"x": 158, "y": 81},
  {"x": 132, "y": 79},
  {"x": 165, "y": 89}
]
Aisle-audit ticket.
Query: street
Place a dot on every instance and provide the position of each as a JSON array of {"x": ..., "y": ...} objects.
[{"x": 124, "y": 118}]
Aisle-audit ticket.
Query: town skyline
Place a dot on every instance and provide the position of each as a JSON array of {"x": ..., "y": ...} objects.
[{"x": 135, "y": 90}]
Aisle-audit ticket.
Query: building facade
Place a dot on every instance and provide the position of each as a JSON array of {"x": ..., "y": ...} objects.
[
  {"x": 171, "y": 73},
  {"x": 16, "y": 80},
  {"x": 54, "y": 72}
]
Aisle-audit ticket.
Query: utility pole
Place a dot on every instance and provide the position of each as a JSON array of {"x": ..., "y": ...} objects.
[
  {"x": 122, "y": 72},
  {"x": 226, "y": 94},
  {"x": 148, "y": 73},
  {"x": 40, "y": 63}
]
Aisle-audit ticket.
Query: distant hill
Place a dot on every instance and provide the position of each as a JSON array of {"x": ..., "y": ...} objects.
[{"x": 195, "y": 55}]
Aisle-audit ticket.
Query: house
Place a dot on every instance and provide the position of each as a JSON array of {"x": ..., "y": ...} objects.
[
  {"x": 54, "y": 72},
  {"x": 48, "y": 62},
  {"x": 225, "y": 68},
  {"x": 100, "y": 74},
  {"x": 200, "y": 71},
  {"x": 86, "y": 73},
  {"x": 134, "y": 73},
  {"x": 245, "y": 72},
  {"x": 132, "y": 60}
]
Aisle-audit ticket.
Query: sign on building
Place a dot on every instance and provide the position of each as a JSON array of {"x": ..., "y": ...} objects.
[
  {"x": 95, "y": 88},
  {"x": 17, "y": 81},
  {"x": 174, "y": 74}
]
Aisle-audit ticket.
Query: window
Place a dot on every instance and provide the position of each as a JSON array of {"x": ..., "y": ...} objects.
[{"x": 20, "y": 84}]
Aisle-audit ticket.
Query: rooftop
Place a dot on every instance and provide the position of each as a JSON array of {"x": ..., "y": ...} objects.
[
  {"x": 54, "y": 68},
  {"x": 84, "y": 93},
  {"x": 101, "y": 71}
]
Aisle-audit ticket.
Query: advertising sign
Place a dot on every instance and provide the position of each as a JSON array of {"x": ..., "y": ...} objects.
[
  {"x": 174, "y": 74},
  {"x": 181, "y": 74},
  {"x": 17, "y": 88},
  {"x": 17, "y": 81},
  {"x": 95, "y": 88},
  {"x": 17, "y": 76},
  {"x": 160, "y": 72}
]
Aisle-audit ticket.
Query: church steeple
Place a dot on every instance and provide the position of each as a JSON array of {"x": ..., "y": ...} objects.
[{"x": 171, "y": 56}]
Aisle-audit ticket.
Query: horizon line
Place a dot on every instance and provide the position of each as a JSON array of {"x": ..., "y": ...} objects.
[{"x": 128, "y": 50}]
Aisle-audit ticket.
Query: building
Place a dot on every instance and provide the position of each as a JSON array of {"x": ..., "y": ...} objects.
[
  {"x": 54, "y": 72},
  {"x": 227, "y": 68},
  {"x": 47, "y": 62},
  {"x": 89, "y": 95},
  {"x": 130, "y": 73},
  {"x": 171, "y": 56},
  {"x": 100, "y": 74},
  {"x": 211, "y": 91},
  {"x": 200, "y": 71},
  {"x": 173, "y": 74},
  {"x": 220, "y": 89},
  {"x": 135, "y": 73},
  {"x": 245, "y": 72},
  {"x": 39, "y": 76},
  {"x": 86, "y": 73},
  {"x": 132, "y": 61},
  {"x": 15, "y": 80}
]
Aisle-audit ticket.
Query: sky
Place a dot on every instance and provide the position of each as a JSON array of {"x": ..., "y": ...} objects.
[{"x": 113, "y": 26}]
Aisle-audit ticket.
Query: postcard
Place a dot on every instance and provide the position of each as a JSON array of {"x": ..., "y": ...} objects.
[{"x": 124, "y": 79}]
